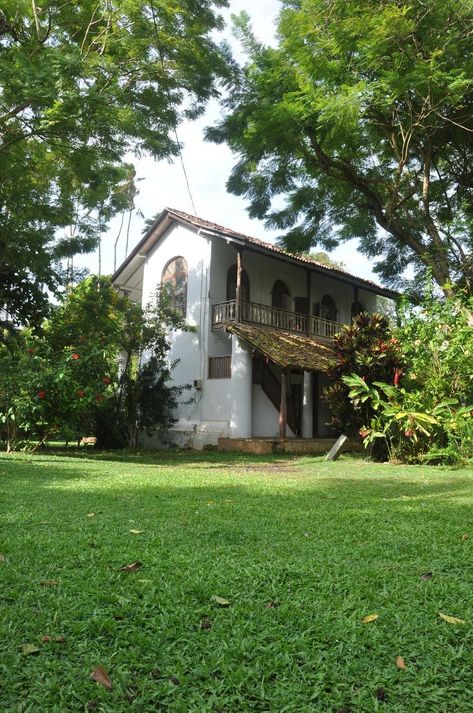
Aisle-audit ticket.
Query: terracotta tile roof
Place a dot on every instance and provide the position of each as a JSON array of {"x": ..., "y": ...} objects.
[
  {"x": 214, "y": 227},
  {"x": 286, "y": 348}
]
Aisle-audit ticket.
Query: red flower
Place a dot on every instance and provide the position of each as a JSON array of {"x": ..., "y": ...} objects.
[
  {"x": 80, "y": 393},
  {"x": 363, "y": 432},
  {"x": 106, "y": 380},
  {"x": 30, "y": 351},
  {"x": 75, "y": 356},
  {"x": 98, "y": 398},
  {"x": 397, "y": 376},
  {"x": 409, "y": 432},
  {"x": 41, "y": 394}
]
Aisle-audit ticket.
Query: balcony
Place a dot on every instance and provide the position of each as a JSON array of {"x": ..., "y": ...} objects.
[{"x": 255, "y": 313}]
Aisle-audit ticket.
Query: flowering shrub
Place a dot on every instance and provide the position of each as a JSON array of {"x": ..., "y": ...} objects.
[
  {"x": 426, "y": 414},
  {"x": 63, "y": 383},
  {"x": 367, "y": 348}
]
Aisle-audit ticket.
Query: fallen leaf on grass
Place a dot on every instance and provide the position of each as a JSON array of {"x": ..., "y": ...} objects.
[
  {"x": 136, "y": 532},
  {"x": 29, "y": 649},
  {"x": 272, "y": 605},
  {"x": 465, "y": 537},
  {"x": 426, "y": 575},
  {"x": 220, "y": 601},
  {"x": 49, "y": 582},
  {"x": 2, "y": 558},
  {"x": 101, "y": 676},
  {"x": 174, "y": 680},
  {"x": 130, "y": 567},
  {"x": 53, "y": 639},
  {"x": 451, "y": 619},
  {"x": 90, "y": 514},
  {"x": 369, "y": 618},
  {"x": 400, "y": 663}
]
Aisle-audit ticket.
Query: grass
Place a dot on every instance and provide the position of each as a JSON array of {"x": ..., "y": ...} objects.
[{"x": 302, "y": 550}]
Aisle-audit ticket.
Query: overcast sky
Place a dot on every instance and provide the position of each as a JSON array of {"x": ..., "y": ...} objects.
[{"x": 208, "y": 167}]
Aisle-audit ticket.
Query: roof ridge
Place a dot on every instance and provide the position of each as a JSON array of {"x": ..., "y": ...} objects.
[{"x": 303, "y": 257}]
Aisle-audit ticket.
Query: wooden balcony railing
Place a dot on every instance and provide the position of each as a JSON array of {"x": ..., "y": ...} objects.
[{"x": 271, "y": 317}]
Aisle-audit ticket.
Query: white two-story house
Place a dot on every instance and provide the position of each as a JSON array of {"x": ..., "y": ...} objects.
[{"x": 264, "y": 320}]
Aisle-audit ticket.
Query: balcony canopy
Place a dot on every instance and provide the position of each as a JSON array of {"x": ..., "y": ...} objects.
[{"x": 286, "y": 348}]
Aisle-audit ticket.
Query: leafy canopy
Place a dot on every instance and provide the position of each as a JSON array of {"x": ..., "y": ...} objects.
[
  {"x": 362, "y": 120},
  {"x": 83, "y": 83}
]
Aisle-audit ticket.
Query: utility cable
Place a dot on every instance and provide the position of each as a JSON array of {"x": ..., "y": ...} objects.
[{"x": 166, "y": 89}]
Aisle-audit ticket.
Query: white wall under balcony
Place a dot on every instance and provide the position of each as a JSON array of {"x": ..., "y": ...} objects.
[
  {"x": 264, "y": 270},
  {"x": 241, "y": 390}
]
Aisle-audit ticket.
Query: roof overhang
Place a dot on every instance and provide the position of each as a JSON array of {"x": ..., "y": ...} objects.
[
  {"x": 170, "y": 216},
  {"x": 286, "y": 349}
]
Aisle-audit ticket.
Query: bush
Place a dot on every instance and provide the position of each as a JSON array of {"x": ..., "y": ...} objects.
[
  {"x": 66, "y": 380},
  {"x": 367, "y": 348},
  {"x": 428, "y": 415}
]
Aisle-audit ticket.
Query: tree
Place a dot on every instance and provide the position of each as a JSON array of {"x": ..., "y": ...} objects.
[
  {"x": 97, "y": 366},
  {"x": 362, "y": 118},
  {"x": 143, "y": 399},
  {"x": 82, "y": 84}
]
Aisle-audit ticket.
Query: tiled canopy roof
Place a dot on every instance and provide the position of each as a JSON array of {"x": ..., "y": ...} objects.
[{"x": 286, "y": 348}]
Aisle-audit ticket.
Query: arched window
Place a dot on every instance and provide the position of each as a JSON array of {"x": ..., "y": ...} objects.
[
  {"x": 175, "y": 279},
  {"x": 232, "y": 281},
  {"x": 357, "y": 308},
  {"x": 328, "y": 308},
  {"x": 280, "y": 296}
]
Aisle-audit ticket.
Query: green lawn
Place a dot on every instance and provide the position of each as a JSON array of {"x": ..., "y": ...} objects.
[{"x": 302, "y": 550}]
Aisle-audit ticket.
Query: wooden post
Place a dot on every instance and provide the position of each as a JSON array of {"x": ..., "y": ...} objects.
[
  {"x": 355, "y": 297},
  {"x": 238, "y": 287},
  {"x": 283, "y": 407},
  {"x": 309, "y": 290}
]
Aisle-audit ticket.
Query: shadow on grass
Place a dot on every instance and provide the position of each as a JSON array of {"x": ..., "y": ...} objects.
[{"x": 349, "y": 480}]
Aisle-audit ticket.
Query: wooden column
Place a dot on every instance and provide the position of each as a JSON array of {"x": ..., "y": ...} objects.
[
  {"x": 355, "y": 298},
  {"x": 309, "y": 290},
  {"x": 283, "y": 407},
  {"x": 238, "y": 287}
]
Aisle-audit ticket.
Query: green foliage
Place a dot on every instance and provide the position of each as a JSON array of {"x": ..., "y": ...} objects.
[
  {"x": 46, "y": 391},
  {"x": 437, "y": 342},
  {"x": 366, "y": 348},
  {"x": 429, "y": 416},
  {"x": 82, "y": 85},
  {"x": 442, "y": 433},
  {"x": 67, "y": 381},
  {"x": 361, "y": 119},
  {"x": 143, "y": 401}
]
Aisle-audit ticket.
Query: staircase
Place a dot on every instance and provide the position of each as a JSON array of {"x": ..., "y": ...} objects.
[{"x": 271, "y": 386}]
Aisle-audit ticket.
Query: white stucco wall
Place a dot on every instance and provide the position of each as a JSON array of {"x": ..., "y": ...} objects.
[
  {"x": 265, "y": 416},
  {"x": 190, "y": 349}
]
